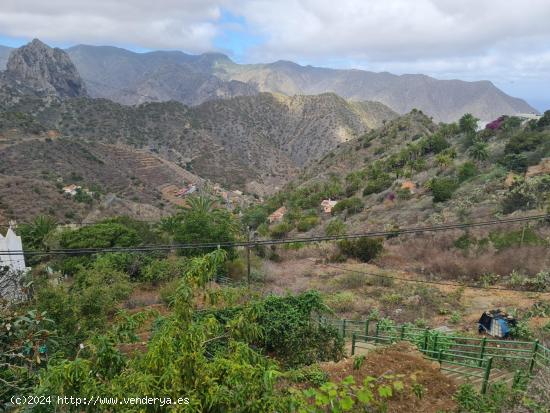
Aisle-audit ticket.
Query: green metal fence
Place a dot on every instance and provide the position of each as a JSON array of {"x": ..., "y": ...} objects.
[{"x": 449, "y": 349}]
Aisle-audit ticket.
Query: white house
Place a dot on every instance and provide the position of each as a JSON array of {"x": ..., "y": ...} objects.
[
  {"x": 12, "y": 243},
  {"x": 11, "y": 256}
]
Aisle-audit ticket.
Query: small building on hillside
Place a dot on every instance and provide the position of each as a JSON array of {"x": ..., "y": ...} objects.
[
  {"x": 277, "y": 216},
  {"x": 327, "y": 205},
  {"x": 71, "y": 189},
  {"x": 410, "y": 185}
]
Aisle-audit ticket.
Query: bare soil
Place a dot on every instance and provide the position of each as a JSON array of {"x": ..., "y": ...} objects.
[{"x": 402, "y": 359}]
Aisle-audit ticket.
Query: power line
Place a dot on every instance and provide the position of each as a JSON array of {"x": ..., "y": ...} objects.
[
  {"x": 254, "y": 243},
  {"x": 428, "y": 282}
]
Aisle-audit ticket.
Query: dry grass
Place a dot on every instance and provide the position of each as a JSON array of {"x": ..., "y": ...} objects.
[{"x": 438, "y": 257}]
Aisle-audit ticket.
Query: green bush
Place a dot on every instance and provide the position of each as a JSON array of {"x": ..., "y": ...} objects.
[
  {"x": 464, "y": 242},
  {"x": 291, "y": 335},
  {"x": 306, "y": 223},
  {"x": 443, "y": 188},
  {"x": 364, "y": 249},
  {"x": 403, "y": 194},
  {"x": 378, "y": 184},
  {"x": 335, "y": 227},
  {"x": 525, "y": 195},
  {"x": 437, "y": 143},
  {"x": 163, "y": 270},
  {"x": 351, "y": 206},
  {"x": 255, "y": 216},
  {"x": 280, "y": 230},
  {"x": 526, "y": 141},
  {"x": 507, "y": 239},
  {"x": 342, "y": 301},
  {"x": 466, "y": 171},
  {"x": 102, "y": 235},
  {"x": 516, "y": 162},
  {"x": 202, "y": 223}
]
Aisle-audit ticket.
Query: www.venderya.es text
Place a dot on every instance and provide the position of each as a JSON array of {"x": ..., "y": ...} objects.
[{"x": 97, "y": 401}]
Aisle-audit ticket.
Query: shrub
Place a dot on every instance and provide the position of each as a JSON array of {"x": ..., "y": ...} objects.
[
  {"x": 342, "y": 302},
  {"x": 102, "y": 235},
  {"x": 515, "y": 162},
  {"x": 526, "y": 141},
  {"x": 280, "y": 230},
  {"x": 352, "y": 280},
  {"x": 364, "y": 249},
  {"x": 378, "y": 184},
  {"x": 162, "y": 270},
  {"x": 443, "y": 188},
  {"x": 255, "y": 216},
  {"x": 404, "y": 194},
  {"x": 466, "y": 171},
  {"x": 350, "y": 205},
  {"x": 464, "y": 242},
  {"x": 507, "y": 239},
  {"x": 306, "y": 223},
  {"x": 202, "y": 223},
  {"x": 335, "y": 227},
  {"x": 290, "y": 333},
  {"x": 437, "y": 143}
]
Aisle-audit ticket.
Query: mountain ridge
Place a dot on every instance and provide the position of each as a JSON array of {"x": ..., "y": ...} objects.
[{"x": 130, "y": 78}]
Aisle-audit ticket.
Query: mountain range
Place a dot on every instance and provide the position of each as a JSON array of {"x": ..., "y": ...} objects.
[
  {"x": 253, "y": 143},
  {"x": 131, "y": 78}
]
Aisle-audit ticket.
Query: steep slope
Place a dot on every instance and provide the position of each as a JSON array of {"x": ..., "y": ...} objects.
[
  {"x": 45, "y": 70},
  {"x": 413, "y": 172},
  {"x": 303, "y": 127},
  {"x": 131, "y": 78},
  {"x": 445, "y": 100},
  {"x": 4, "y": 54},
  {"x": 261, "y": 139},
  {"x": 35, "y": 167}
]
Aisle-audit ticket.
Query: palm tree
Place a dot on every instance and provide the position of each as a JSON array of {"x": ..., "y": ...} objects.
[
  {"x": 479, "y": 151},
  {"x": 35, "y": 233},
  {"x": 200, "y": 204}
]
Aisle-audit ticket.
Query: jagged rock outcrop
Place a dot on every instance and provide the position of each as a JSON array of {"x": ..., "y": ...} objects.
[{"x": 44, "y": 70}]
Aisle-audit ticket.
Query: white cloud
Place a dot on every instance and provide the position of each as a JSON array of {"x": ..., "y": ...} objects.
[
  {"x": 505, "y": 41},
  {"x": 187, "y": 25},
  {"x": 394, "y": 29}
]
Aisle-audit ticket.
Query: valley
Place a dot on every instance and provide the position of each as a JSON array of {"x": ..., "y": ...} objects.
[{"x": 192, "y": 226}]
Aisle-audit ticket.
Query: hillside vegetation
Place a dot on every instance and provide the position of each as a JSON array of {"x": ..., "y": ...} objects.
[{"x": 413, "y": 171}]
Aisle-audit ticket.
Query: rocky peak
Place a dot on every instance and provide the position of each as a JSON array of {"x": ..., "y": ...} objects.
[{"x": 45, "y": 69}]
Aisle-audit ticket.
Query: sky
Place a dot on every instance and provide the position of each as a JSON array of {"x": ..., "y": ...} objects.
[{"x": 507, "y": 42}]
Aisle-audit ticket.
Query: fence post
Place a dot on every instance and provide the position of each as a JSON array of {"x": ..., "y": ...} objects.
[
  {"x": 482, "y": 351},
  {"x": 402, "y": 332},
  {"x": 344, "y": 328},
  {"x": 435, "y": 342},
  {"x": 486, "y": 375},
  {"x": 353, "y": 344},
  {"x": 440, "y": 356},
  {"x": 367, "y": 330},
  {"x": 533, "y": 358},
  {"x": 377, "y": 330},
  {"x": 425, "y": 346},
  {"x": 517, "y": 378}
]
